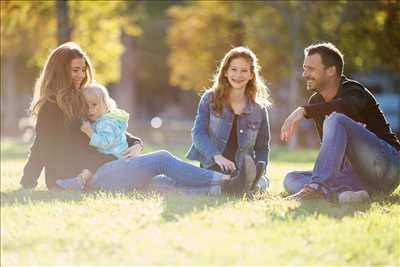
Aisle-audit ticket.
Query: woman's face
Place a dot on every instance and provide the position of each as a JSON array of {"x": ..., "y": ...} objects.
[
  {"x": 239, "y": 73},
  {"x": 78, "y": 72}
]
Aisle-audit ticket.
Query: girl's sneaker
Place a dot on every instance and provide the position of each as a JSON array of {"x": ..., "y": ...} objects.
[
  {"x": 353, "y": 196},
  {"x": 72, "y": 184}
]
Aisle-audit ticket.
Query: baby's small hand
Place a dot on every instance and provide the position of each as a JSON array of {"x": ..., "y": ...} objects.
[{"x": 87, "y": 128}]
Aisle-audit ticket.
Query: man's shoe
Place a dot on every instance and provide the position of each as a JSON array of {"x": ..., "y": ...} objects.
[
  {"x": 353, "y": 196},
  {"x": 260, "y": 171},
  {"x": 310, "y": 191}
]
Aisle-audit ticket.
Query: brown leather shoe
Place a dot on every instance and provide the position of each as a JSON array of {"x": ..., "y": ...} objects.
[{"x": 308, "y": 192}]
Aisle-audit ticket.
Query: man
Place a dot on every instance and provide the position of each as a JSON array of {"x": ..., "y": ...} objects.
[{"x": 359, "y": 152}]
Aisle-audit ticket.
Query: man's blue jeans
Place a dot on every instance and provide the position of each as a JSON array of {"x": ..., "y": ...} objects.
[
  {"x": 351, "y": 158},
  {"x": 137, "y": 172}
]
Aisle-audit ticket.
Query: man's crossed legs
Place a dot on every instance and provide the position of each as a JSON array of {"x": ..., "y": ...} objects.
[{"x": 351, "y": 158}]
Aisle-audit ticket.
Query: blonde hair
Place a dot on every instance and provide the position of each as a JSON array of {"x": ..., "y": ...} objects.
[
  {"x": 100, "y": 93},
  {"x": 55, "y": 82},
  {"x": 256, "y": 89}
]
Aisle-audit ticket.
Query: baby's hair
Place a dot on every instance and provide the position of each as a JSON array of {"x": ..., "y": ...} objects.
[{"x": 102, "y": 96}]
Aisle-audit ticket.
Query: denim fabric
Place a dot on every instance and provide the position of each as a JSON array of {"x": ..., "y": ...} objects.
[
  {"x": 345, "y": 180},
  {"x": 163, "y": 184},
  {"x": 211, "y": 132},
  {"x": 375, "y": 165},
  {"x": 137, "y": 172}
]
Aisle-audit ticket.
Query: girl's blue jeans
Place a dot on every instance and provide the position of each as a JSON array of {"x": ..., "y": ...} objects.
[
  {"x": 351, "y": 158},
  {"x": 137, "y": 172}
]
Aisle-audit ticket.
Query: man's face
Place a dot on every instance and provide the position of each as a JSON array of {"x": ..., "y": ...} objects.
[{"x": 314, "y": 72}]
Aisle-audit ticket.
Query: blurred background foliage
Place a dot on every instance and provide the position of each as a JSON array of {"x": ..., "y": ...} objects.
[{"x": 156, "y": 56}]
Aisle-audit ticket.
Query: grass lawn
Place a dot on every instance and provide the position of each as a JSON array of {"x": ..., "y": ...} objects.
[{"x": 53, "y": 228}]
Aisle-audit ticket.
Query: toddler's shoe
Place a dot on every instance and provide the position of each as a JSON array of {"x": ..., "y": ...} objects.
[{"x": 71, "y": 184}]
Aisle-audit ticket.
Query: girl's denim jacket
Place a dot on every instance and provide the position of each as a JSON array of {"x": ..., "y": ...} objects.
[{"x": 211, "y": 132}]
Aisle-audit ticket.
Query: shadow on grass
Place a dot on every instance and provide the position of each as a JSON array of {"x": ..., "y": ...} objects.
[
  {"x": 385, "y": 200},
  {"x": 316, "y": 208},
  {"x": 177, "y": 206},
  {"x": 23, "y": 196},
  {"x": 328, "y": 209}
]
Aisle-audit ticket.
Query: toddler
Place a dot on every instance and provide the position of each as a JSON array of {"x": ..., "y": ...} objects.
[{"x": 106, "y": 126}]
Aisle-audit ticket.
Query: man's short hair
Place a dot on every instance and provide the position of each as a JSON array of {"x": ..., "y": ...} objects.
[{"x": 330, "y": 55}]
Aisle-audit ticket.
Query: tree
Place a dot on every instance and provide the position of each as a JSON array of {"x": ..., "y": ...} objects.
[
  {"x": 22, "y": 25},
  {"x": 29, "y": 33},
  {"x": 277, "y": 31},
  {"x": 195, "y": 47},
  {"x": 63, "y": 25}
]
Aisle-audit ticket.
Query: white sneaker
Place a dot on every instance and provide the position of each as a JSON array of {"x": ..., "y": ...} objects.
[{"x": 353, "y": 196}]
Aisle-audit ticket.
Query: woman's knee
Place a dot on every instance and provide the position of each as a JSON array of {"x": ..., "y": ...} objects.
[{"x": 164, "y": 154}]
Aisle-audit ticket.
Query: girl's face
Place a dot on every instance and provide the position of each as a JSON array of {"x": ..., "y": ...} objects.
[
  {"x": 78, "y": 72},
  {"x": 96, "y": 108},
  {"x": 239, "y": 73}
]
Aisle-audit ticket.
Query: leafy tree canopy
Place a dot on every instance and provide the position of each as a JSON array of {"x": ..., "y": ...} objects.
[{"x": 28, "y": 29}]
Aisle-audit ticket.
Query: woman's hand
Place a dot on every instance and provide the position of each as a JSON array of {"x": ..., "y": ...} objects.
[
  {"x": 132, "y": 151},
  {"x": 225, "y": 164},
  {"x": 87, "y": 128}
]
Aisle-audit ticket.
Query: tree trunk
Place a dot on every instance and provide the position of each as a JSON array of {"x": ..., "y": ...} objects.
[
  {"x": 125, "y": 91},
  {"x": 63, "y": 25},
  {"x": 9, "y": 112},
  {"x": 294, "y": 22}
]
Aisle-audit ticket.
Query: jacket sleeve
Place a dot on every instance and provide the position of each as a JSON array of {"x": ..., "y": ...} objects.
[
  {"x": 200, "y": 137},
  {"x": 48, "y": 119},
  {"x": 105, "y": 135},
  {"x": 261, "y": 147},
  {"x": 132, "y": 140},
  {"x": 350, "y": 103}
]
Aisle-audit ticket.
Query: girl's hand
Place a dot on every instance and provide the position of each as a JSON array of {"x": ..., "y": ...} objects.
[
  {"x": 225, "y": 164},
  {"x": 87, "y": 128},
  {"x": 132, "y": 151}
]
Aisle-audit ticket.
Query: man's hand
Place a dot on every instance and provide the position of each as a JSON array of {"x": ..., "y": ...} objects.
[
  {"x": 225, "y": 164},
  {"x": 87, "y": 128},
  {"x": 132, "y": 151},
  {"x": 291, "y": 123}
]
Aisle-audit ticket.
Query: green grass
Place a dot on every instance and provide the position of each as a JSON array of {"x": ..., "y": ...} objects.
[{"x": 51, "y": 228}]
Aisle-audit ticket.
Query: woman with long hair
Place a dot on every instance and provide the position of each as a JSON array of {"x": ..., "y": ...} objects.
[
  {"x": 232, "y": 119},
  {"x": 62, "y": 148}
]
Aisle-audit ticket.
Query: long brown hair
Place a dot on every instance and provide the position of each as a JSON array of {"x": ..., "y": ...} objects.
[
  {"x": 256, "y": 89},
  {"x": 55, "y": 83}
]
